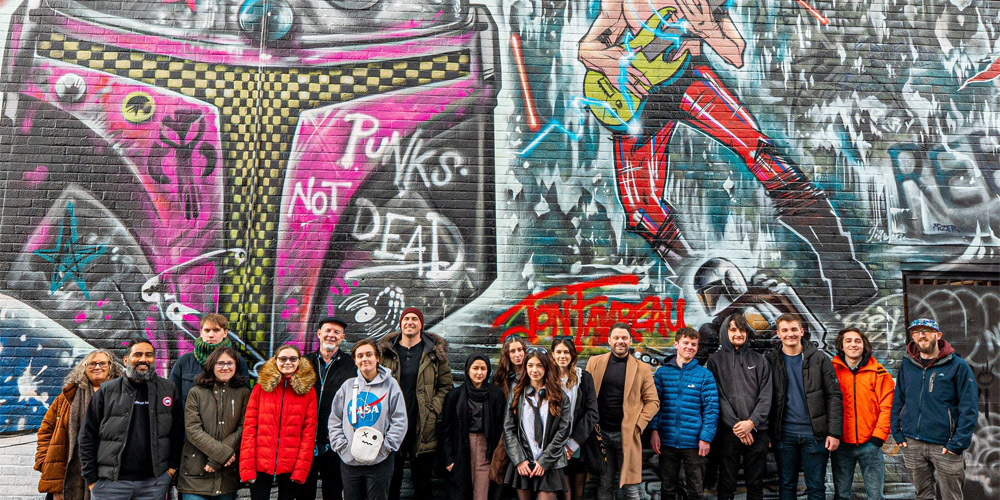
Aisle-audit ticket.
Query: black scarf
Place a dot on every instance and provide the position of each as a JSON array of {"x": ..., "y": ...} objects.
[{"x": 477, "y": 394}]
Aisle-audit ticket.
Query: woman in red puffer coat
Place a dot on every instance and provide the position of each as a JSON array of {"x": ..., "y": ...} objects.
[{"x": 279, "y": 432}]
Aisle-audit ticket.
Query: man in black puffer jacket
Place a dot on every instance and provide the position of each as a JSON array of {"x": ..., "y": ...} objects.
[
  {"x": 130, "y": 444},
  {"x": 807, "y": 415}
]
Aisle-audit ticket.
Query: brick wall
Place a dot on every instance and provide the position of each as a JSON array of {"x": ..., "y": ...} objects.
[{"x": 530, "y": 167}]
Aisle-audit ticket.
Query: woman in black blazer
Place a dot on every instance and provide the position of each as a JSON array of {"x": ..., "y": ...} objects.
[{"x": 578, "y": 385}]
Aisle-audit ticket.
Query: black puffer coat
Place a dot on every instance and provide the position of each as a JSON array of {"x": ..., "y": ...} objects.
[
  {"x": 824, "y": 400},
  {"x": 106, "y": 428}
]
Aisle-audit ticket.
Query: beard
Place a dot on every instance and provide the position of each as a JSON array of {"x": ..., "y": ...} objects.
[
  {"x": 138, "y": 376},
  {"x": 329, "y": 347},
  {"x": 929, "y": 349}
]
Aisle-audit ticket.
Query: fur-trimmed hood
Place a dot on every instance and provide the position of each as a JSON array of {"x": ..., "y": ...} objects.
[
  {"x": 432, "y": 341},
  {"x": 302, "y": 380},
  {"x": 432, "y": 384}
]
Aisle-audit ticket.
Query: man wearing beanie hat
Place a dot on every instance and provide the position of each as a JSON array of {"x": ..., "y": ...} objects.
[
  {"x": 418, "y": 360},
  {"x": 934, "y": 412},
  {"x": 333, "y": 367}
]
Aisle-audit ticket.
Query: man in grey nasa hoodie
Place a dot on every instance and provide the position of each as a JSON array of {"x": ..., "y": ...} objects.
[
  {"x": 370, "y": 401},
  {"x": 743, "y": 378}
]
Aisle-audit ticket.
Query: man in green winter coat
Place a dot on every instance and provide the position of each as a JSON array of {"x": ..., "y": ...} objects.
[{"x": 418, "y": 360}]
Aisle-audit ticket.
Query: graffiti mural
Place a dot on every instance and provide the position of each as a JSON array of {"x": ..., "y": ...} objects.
[
  {"x": 508, "y": 166},
  {"x": 220, "y": 167}
]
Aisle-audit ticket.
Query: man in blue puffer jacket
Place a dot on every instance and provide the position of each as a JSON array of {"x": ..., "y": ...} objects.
[
  {"x": 686, "y": 422},
  {"x": 934, "y": 412}
]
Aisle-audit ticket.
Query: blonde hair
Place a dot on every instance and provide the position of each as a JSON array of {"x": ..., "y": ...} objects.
[{"x": 78, "y": 375}]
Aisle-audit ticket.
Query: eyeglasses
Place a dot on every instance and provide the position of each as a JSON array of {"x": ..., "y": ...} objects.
[
  {"x": 97, "y": 364},
  {"x": 536, "y": 349},
  {"x": 226, "y": 364},
  {"x": 923, "y": 333},
  {"x": 288, "y": 359}
]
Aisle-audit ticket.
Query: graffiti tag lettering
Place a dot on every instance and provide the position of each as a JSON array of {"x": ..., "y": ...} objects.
[
  {"x": 410, "y": 156},
  {"x": 317, "y": 201},
  {"x": 583, "y": 311},
  {"x": 440, "y": 257}
]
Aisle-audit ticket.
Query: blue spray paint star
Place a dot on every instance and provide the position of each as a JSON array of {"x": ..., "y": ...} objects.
[{"x": 69, "y": 258}]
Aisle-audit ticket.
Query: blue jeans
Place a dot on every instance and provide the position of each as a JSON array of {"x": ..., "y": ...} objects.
[
  {"x": 612, "y": 469},
  {"x": 224, "y": 496},
  {"x": 806, "y": 453},
  {"x": 843, "y": 461},
  {"x": 154, "y": 488}
]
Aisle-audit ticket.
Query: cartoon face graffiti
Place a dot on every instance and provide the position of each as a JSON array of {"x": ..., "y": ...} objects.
[{"x": 369, "y": 437}]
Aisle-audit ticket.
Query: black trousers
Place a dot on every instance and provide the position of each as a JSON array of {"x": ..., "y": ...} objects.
[
  {"x": 260, "y": 489},
  {"x": 732, "y": 454},
  {"x": 421, "y": 470},
  {"x": 325, "y": 467},
  {"x": 671, "y": 461},
  {"x": 367, "y": 482}
]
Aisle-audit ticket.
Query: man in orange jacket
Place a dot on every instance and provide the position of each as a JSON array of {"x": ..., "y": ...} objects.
[{"x": 867, "y": 388}]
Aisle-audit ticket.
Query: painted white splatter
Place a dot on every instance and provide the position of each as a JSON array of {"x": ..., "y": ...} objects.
[{"x": 27, "y": 387}]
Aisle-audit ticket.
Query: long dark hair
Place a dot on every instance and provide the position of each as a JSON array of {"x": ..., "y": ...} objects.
[
  {"x": 207, "y": 376},
  {"x": 504, "y": 367},
  {"x": 839, "y": 341},
  {"x": 567, "y": 341},
  {"x": 553, "y": 388}
]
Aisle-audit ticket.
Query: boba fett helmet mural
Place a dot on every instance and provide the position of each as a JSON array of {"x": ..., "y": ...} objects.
[{"x": 272, "y": 160}]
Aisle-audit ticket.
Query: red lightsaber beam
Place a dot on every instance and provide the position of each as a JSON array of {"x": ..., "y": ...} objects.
[
  {"x": 815, "y": 13},
  {"x": 529, "y": 102}
]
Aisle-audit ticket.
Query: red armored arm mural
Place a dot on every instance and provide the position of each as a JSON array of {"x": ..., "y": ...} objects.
[{"x": 648, "y": 75}]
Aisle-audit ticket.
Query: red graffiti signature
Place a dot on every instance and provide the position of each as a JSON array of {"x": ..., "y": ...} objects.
[
  {"x": 990, "y": 73},
  {"x": 584, "y": 313}
]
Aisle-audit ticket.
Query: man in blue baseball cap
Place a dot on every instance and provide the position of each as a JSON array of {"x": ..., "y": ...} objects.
[{"x": 934, "y": 412}]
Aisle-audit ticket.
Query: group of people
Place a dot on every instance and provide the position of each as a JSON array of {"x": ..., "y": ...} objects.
[
  {"x": 809, "y": 409},
  {"x": 536, "y": 427}
]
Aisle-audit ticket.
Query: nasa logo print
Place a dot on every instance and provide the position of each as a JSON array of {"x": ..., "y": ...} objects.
[{"x": 367, "y": 407}]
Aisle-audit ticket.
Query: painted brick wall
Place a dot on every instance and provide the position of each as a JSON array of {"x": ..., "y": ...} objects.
[{"x": 530, "y": 167}]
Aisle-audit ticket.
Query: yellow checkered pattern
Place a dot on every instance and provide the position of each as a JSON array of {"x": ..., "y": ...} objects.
[{"x": 259, "y": 110}]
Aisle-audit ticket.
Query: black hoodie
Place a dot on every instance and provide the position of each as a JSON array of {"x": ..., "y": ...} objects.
[{"x": 744, "y": 380}]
